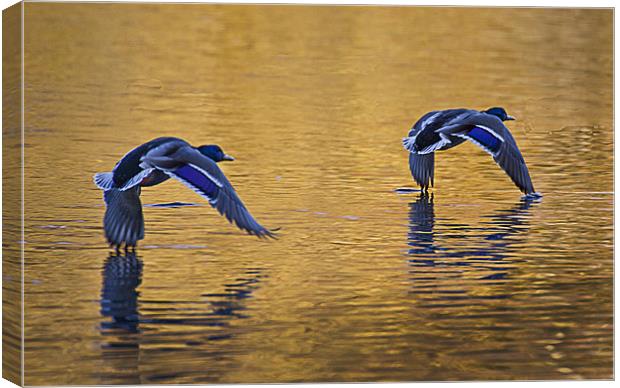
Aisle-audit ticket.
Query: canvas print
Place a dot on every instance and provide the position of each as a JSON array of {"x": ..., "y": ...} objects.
[{"x": 227, "y": 193}]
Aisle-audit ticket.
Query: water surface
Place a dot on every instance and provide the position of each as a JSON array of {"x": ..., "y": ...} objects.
[{"x": 364, "y": 283}]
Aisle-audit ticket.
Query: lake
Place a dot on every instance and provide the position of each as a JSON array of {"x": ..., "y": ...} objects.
[{"x": 364, "y": 283}]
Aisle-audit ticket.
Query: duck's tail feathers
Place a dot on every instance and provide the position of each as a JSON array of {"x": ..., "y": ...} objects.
[
  {"x": 422, "y": 168},
  {"x": 104, "y": 180},
  {"x": 409, "y": 143},
  {"x": 123, "y": 222}
]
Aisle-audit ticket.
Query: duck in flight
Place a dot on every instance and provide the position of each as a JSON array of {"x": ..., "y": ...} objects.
[
  {"x": 442, "y": 130},
  {"x": 155, "y": 162}
]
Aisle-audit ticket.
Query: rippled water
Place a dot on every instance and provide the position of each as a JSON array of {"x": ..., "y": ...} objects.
[{"x": 365, "y": 283}]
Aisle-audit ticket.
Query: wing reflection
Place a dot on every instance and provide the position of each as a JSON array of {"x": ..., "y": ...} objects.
[{"x": 231, "y": 302}]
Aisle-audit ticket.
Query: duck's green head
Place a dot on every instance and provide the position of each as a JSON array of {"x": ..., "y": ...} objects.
[
  {"x": 499, "y": 112},
  {"x": 214, "y": 152}
]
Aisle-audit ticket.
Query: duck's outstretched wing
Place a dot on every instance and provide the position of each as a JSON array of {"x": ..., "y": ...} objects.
[
  {"x": 123, "y": 222},
  {"x": 422, "y": 168},
  {"x": 203, "y": 176},
  {"x": 489, "y": 133}
]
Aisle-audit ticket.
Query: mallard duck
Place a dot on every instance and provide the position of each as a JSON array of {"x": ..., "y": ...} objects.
[
  {"x": 442, "y": 130},
  {"x": 155, "y": 162}
]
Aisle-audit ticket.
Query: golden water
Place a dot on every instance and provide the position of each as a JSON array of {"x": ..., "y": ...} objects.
[{"x": 364, "y": 284}]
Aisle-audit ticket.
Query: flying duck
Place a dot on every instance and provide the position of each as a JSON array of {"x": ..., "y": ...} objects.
[
  {"x": 155, "y": 162},
  {"x": 442, "y": 130}
]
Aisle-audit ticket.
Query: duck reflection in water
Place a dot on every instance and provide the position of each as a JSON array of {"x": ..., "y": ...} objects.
[
  {"x": 122, "y": 274},
  {"x": 134, "y": 328},
  {"x": 439, "y": 243},
  {"x": 119, "y": 297},
  {"x": 119, "y": 306}
]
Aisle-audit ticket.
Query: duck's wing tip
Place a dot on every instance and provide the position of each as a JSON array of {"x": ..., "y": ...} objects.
[
  {"x": 270, "y": 234},
  {"x": 532, "y": 196},
  {"x": 256, "y": 229}
]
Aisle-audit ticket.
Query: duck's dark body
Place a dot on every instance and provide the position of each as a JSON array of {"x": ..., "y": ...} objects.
[
  {"x": 442, "y": 130},
  {"x": 155, "y": 162},
  {"x": 427, "y": 131},
  {"x": 129, "y": 166}
]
